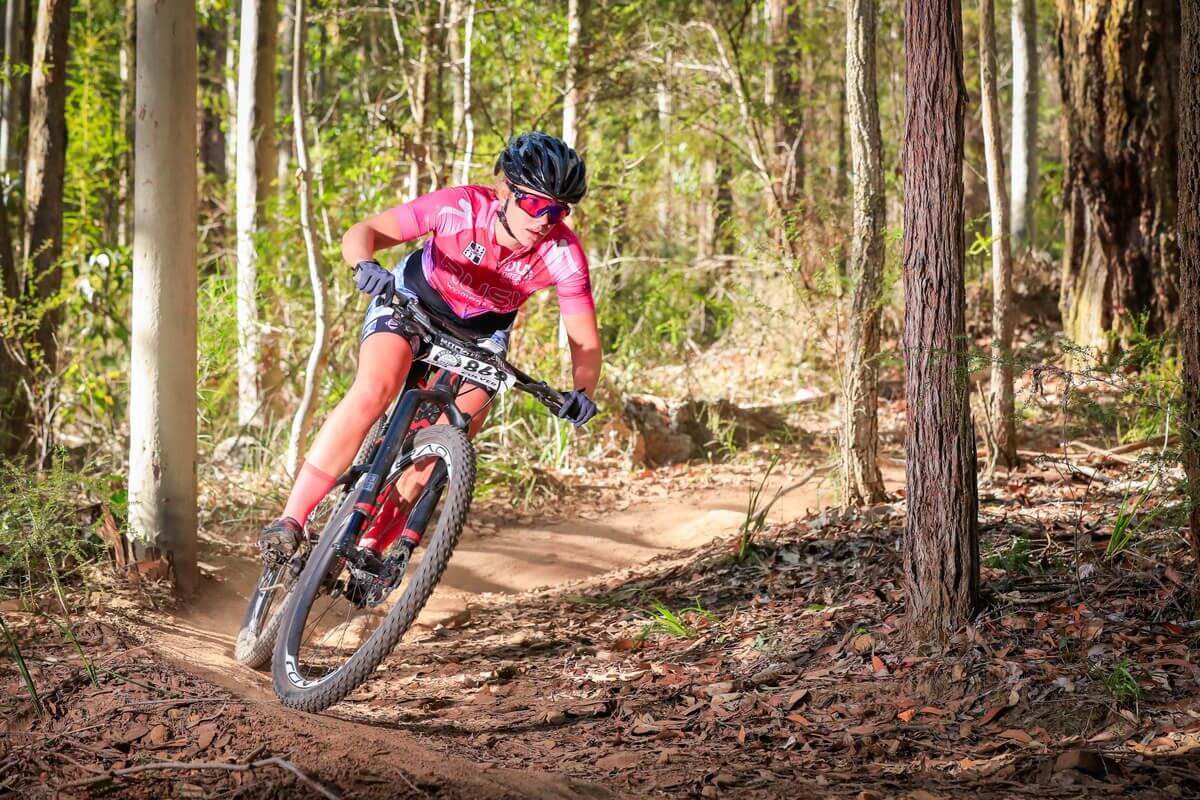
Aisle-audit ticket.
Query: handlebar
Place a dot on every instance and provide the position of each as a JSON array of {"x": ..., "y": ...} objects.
[{"x": 408, "y": 306}]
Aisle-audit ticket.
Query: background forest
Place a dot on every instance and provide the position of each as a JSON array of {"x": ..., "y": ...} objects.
[{"x": 942, "y": 262}]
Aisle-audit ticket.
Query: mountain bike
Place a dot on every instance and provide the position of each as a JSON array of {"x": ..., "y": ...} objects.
[{"x": 328, "y": 616}]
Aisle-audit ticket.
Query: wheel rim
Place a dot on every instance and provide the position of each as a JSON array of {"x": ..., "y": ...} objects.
[{"x": 346, "y": 611}]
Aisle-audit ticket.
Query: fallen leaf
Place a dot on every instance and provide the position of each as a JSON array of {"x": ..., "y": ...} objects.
[
  {"x": 863, "y": 643},
  {"x": 1088, "y": 761},
  {"x": 205, "y": 735},
  {"x": 990, "y": 715},
  {"x": 1017, "y": 735},
  {"x": 621, "y": 760},
  {"x": 158, "y": 734},
  {"x": 878, "y": 666},
  {"x": 795, "y": 698}
]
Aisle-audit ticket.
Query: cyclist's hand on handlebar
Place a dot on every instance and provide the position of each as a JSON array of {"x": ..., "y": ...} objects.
[
  {"x": 374, "y": 280},
  {"x": 577, "y": 408}
]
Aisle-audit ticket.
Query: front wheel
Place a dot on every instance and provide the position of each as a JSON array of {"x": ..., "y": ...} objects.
[
  {"x": 334, "y": 634},
  {"x": 264, "y": 614}
]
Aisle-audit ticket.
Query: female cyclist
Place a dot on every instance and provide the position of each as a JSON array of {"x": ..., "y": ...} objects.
[{"x": 489, "y": 249}]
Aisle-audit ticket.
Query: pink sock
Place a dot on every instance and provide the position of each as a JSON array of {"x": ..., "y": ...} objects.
[{"x": 312, "y": 484}]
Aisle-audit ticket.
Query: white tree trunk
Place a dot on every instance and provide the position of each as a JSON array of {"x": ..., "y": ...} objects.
[
  {"x": 317, "y": 272},
  {"x": 1024, "y": 123},
  {"x": 862, "y": 482},
  {"x": 162, "y": 396},
  {"x": 570, "y": 119},
  {"x": 1004, "y": 449},
  {"x": 249, "y": 388},
  {"x": 468, "y": 113},
  {"x": 14, "y": 46}
]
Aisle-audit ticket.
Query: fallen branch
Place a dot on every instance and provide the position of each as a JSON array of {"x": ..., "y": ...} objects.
[{"x": 274, "y": 761}]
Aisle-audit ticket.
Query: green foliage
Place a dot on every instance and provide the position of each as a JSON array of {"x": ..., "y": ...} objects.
[
  {"x": 756, "y": 514},
  {"x": 1014, "y": 558},
  {"x": 669, "y": 623},
  {"x": 1125, "y": 526},
  {"x": 23, "y": 668},
  {"x": 1122, "y": 682},
  {"x": 42, "y": 533}
]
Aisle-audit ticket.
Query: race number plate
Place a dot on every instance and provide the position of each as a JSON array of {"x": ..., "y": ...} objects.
[{"x": 449, "y": 356}]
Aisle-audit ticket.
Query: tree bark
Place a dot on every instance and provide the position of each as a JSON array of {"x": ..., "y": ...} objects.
[
  {"x": 862, "y": 482},
  {"x": 573, "y": 98},
  {"x": 212, "y": 46},
  {"x": 1118, "y": 65},
  {"x": 317, "y": 273},
  {"x": 45, "y": 164},
  {"x": 162, "y": 404},
  {"x": 283, "y": 147},
  {"x": 16, "y": 89},
  {"x": 782, "y": 97},
  {"x": 265, "y": 96},
  {"x": 1002, "y": 424},
  {"x": 127, "y": 69},
  {"x": 666, "y": 102},
  {"x": 941, "y": 536},
  {"x": 1024, "y": 123},
  {"x": 255, "y": 172},
  {"x": 468, "y": 110},
  {"x": 1189, "y": 269}
]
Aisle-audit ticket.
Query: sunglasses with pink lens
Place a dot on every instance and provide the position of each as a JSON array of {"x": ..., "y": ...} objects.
[{"x": 536, "y": 206}]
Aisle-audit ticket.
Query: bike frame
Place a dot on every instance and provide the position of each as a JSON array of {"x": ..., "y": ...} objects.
[{"x": 387, "y": 458}]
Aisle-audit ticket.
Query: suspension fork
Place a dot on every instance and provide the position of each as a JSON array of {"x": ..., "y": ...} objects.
[{"x": 395, "y": 432}]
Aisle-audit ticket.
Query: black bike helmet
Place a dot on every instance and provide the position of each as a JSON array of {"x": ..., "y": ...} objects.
[{"x": 545, "y": 164}]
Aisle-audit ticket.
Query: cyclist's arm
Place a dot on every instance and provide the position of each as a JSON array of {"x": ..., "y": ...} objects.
[
  {"x": 365, "y": 238},
  {"x": 583, "y": 336},
  {"x": 403, "y": 223}
]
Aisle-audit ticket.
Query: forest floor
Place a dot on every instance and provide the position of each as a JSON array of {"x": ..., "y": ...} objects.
[{"x": 782, "y": 674}]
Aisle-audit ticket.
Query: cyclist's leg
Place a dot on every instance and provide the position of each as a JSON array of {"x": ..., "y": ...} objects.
[
  {"x": 388, "y": 527},
  {"x": 383, "y": 362}
]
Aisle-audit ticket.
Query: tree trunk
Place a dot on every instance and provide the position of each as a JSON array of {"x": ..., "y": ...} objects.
[
  {"x": 1118, "y": 67},
  {"x": 255, "y": 171},
  {"x": 468, "y": 113},
  {"x": 941, "y": 536},
  {"x": 162, "y": 396},
  {"x": 212, "y": 135},
  {"x": 265, "y": 93},
  {"x": 302, "y": 422},
  {"x": 573, "y": 98},
  {"x": 716, "y": 207},
  {"x": 1189, "y": 269},
  {"x": 45, "y": 164},
  {"x": 283, "y": 147},
  {"x": 666, "y": 102},
  {"x": 127, "y": 69},
  {"x": 16, "y": 89},
  {"x": 458, "y": 110},
  {"x": 862, "y": 482},
  {"x": 1002, "y": 425},
  {"x": 782, "y": 97},
  {"x": 1024, "y": 123},
  {"x": 419, "y": 169}
]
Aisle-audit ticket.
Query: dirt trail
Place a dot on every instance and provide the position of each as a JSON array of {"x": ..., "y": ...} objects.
[
  {"x": 492, "y": 557},
  {"x": 496, "y": 557}
]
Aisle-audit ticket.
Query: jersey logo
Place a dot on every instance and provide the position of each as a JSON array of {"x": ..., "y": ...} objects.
[
  {"x": 457, "y": 219},
  {"x": 474, "y": 253}
]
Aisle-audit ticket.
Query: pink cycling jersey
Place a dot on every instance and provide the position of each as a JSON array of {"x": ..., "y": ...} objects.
[{"x": 462, "y": 259}]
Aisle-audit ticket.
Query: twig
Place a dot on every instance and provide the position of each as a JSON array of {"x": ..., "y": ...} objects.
[{"x": 274, "y": 761}]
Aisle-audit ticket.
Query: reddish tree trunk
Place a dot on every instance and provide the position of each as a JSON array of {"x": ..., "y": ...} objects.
[{"x": 941, "y": 537}]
